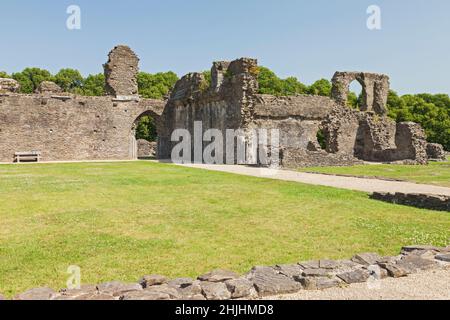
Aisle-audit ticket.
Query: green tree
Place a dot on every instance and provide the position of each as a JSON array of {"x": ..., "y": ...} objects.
[
  {"x": 321, "y": 87},
  {"x": 4, "y": 75},
  {"x": 146, "y": 129},
  {"x": 93, "y": 85},
  {"x": 270, "y": 83},
  {"x": 432, "y": 112},
  {"x": 30, "y": 78},
  {"x": 156, "y": 86},
  {"x": 69, "y": 80}
]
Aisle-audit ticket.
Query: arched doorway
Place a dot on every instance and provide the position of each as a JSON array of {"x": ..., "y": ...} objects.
[
  {"x": 144, "y": 136},
  {"x": 355, "y": 95}
]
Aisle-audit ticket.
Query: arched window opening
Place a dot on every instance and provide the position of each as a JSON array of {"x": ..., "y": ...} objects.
[{"x": 354, "y": 98}]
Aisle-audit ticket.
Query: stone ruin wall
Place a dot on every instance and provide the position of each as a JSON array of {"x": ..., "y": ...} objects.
[
  {"x": 72, "y": 128},
  {"x": 66, "y": 127},
  {"x": 222, "y": 104},
  {"x": 352, "y": 136}
]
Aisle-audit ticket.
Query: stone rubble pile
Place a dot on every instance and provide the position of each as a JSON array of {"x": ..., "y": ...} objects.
[{"x": 260, "y": 281}]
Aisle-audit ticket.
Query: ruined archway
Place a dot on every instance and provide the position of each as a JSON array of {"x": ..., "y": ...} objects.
[
  {"x": 375, "y": 89},
  {"x": 355, "y": 95},
  {"x": 144, "y": 135}
]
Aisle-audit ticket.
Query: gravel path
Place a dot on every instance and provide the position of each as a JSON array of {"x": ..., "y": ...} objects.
[
  {"x": 352, "y": 183},
  {"x": 429, "y": 285}
]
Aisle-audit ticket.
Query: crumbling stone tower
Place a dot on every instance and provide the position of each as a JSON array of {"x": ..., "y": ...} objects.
[
  {"x": 375, "y": 90},
  {"x": 121, "y": 72}
]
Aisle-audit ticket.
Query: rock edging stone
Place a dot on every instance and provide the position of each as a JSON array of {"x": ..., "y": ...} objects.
[{"x": 260, "y": 281}]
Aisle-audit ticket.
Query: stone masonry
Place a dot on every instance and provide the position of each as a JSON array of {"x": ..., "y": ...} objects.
[
  {"x": 66, "y": 127},
  {"x": 260, "y": 281},
  {"x": 121, "y": 72},
  {"x": 63, "y": 126}
]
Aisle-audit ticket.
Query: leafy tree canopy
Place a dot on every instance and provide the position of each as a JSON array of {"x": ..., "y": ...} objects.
[
  {"x": 30, "y": 78},
  {"x": 156, "y": 86},
  {"x": 146, "y": 129},
  {"x": 69, "y": 79},
  {"x": 432, "y": 112}
]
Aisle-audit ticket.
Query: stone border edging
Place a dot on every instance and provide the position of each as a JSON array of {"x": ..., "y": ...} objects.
[
  {"x": 260, "y": 281},
  {"x": 418, "y": 200}
]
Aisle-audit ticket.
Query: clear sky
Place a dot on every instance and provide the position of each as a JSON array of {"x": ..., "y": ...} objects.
[{"x": 303, "y": 38}]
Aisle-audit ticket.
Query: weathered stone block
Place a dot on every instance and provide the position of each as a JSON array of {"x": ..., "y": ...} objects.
[
  {"x": 37, "y": 294},
  {"x": 241, "y": 288},
  {"x": 268, "y": 282},
  {"x": 152, "y": 280},
  {"x": 319, "y": 283},
  {"x": 218, "y": 276},
  {"x": 315, "y": 272},
  {"x": 356, "y": 276},
  {"x": 117, "y": 288},
  {"x": 215, "y": 291},
  {"x": 367, "y": 259},
  {"x": 289, "y": 270},
  {"x": 394, "y": 270}
]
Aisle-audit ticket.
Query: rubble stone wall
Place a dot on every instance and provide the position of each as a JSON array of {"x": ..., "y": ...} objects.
[
  {"x": 224, "y": 104},
  {"x": 68, "y": 127},
  {"x": 424, "y": 201},
  {"x": 260, "y": 281},
  {"x": 71, "y": 127}
]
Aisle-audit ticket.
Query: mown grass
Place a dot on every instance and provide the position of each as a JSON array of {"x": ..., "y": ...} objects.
[
  {"x": 119, "y": 221},
  {"x": 436, "y": 173}
]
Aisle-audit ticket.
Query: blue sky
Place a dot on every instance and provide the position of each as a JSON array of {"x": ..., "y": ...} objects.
[{"x": 303, "y": 38}]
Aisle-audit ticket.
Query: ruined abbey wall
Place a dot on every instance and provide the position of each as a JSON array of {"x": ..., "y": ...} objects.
[
  {"x": 66, "y": 127},
  {"x": 222, "y": 104},
  {"x": 70, "y": 128}
]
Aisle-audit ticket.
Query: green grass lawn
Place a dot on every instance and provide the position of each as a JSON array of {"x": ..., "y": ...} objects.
[
  {"x": 119, "y": 221},
  {"x": 436, "y": 173}
]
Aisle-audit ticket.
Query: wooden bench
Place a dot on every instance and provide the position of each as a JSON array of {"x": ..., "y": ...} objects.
[{"x": 31, "y": 156}]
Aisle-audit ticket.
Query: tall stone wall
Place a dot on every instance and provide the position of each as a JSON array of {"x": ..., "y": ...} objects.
[
  {"x": 68, "y": 127},
  {"x": 121, "y": 72},
  {"x": 223, "y": 104},
  {"x": 71, "y": 127}
]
